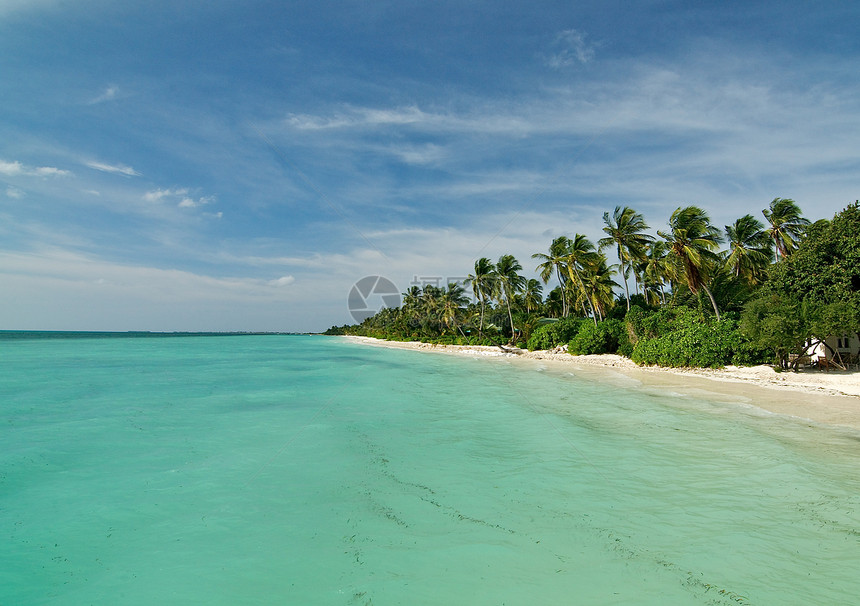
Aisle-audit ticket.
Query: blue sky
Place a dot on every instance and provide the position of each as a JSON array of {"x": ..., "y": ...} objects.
[{"x": 211, "y": 165}]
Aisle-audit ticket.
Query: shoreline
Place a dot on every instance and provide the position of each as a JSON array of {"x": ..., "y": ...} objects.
[{"x": 823, "y": 397}]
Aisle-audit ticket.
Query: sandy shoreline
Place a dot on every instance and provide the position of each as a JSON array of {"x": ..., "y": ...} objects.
[{"x": 826, "y": 397}]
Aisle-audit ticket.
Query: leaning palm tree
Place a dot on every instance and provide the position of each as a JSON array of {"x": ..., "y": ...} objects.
[
  {"x": 554, "y": 262},
  {"x": 483, "y": 284},
  {"x": 508, "y": 283},
  {"x": 581, "y": 254},
  {"x": 693, "y": 240},
  {"x": 625, "y": 230},
  {"x": 750, "y": 250},
  {"x": 787, "y": 226},
  {"x": 599, "y": 286}
]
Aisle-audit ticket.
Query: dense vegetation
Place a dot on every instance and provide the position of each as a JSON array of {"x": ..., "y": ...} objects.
[{"x": 775, "y": 290}]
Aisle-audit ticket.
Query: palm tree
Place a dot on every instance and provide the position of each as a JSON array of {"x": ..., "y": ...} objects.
[
  {"x": 452, "y": 300},
  {"x": 750, "y": 249},
  {"x": 787, "y": 226},
  {"x": 693, "y": 240},
  {"x": 625, "y": 229},
  {"x": 554, "y": 262},
  {"x": 483, "y": 284},
  {"x": 532, "y": 295},
  {"x": 554, "y": 304},
  {"x": 508, "y": 283},
  {"x": 654, "y": 270},
  {"x": 411, "y": 298},
  {"x": 580, "y": 255},
  {"x": 430, "y": 304},
  {"x": 411, "y": 304},
  {"x": 598, "y": 283}
]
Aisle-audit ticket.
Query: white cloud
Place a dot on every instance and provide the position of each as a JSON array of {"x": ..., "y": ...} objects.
[
  {"x": 157, "y": 195},
  {"x": 49, "y": 171},
  {"x": 62, "y": 290},
  {"x": 362, "y": 116},
  {"x": 419, "y": 154},
  {"x": 571, "y": 49},
  {"x": 16, "y": 169},
  {"x": 192, "y": 203},
  {"x": 109, "y": 94},
  {"x": 13, "y": 193},
  {"x": 283, "y": 281},
  {"x": 179, "y": 196},
  {"x": 117, "y": 169},
  {"x": 173, "y": 285},
  {"x": 11, "y": 169}
]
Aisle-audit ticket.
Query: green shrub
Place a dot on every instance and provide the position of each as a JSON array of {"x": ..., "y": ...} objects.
[
  {"x": 553, "y": 334},
  {"x": 603, "y": 337},
  {"x": 695, "y": 341}
]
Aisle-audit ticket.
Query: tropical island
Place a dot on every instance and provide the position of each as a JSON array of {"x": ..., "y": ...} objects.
[{"x": 784, "y": 291}]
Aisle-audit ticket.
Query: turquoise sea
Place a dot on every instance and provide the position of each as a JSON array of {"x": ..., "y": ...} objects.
[{"x": 274, "y": 469}]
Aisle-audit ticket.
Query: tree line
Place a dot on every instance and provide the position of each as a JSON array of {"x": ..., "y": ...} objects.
[{"x": 771, "y": 293}]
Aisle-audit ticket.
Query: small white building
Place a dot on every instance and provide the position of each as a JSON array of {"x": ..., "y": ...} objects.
[{"x": 837, "y": 351}]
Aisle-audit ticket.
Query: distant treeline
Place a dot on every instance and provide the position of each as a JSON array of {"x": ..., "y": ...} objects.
[{"x": 773, "y": 292}]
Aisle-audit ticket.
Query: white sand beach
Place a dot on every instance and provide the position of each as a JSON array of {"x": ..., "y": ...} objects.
[{"x": 826, "y": 397}]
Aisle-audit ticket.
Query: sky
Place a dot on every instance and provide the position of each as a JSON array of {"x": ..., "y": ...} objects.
[{"x": 239, "y": 166}]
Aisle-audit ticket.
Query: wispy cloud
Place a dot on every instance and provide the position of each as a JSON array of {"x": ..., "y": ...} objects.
[
  {"x": 570, "y": 48},
  {"x": 17, "y": 169},
  {"x": 117, "y": 169},
  {"x": 159, "y": 194},
  {"x": 362, "y": 117},
  {"x": 109, "y": 94},
  {"x": 418, "y": 154},
  {"x": 74, "y": 267},
  {"x": 179, "y": 196},
  {"x": 15, "y": 194}
]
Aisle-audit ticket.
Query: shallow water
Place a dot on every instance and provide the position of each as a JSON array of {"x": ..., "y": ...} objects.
[{"x": 309, "y": 470}]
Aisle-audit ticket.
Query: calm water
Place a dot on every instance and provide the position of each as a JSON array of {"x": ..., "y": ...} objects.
[{"x": 308, "y": 470}]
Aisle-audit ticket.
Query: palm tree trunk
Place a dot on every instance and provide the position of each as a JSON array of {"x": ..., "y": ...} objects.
[
  {"x": 563, "y": 292},
  {"x": 713, "y": 303},
  {"x": 624, "y": 276},
  {"x": 510, "y": 316},
  {"x": 626, "y": 291}
]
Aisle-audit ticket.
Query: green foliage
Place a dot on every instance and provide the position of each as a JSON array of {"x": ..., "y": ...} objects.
[
  {"x": 554, "y": 334},
  {"x": 787, "y": 325},
  {"x": 826, "y": 266},
  {"x": 603, "y": 337},
  {"x": 813, "y": 293},
  {"x": 682, "y": 337},
  {"x": 648, "y": 325}
]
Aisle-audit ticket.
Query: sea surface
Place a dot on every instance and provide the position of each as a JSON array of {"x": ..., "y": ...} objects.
[{"x": 273, "y": 469}]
